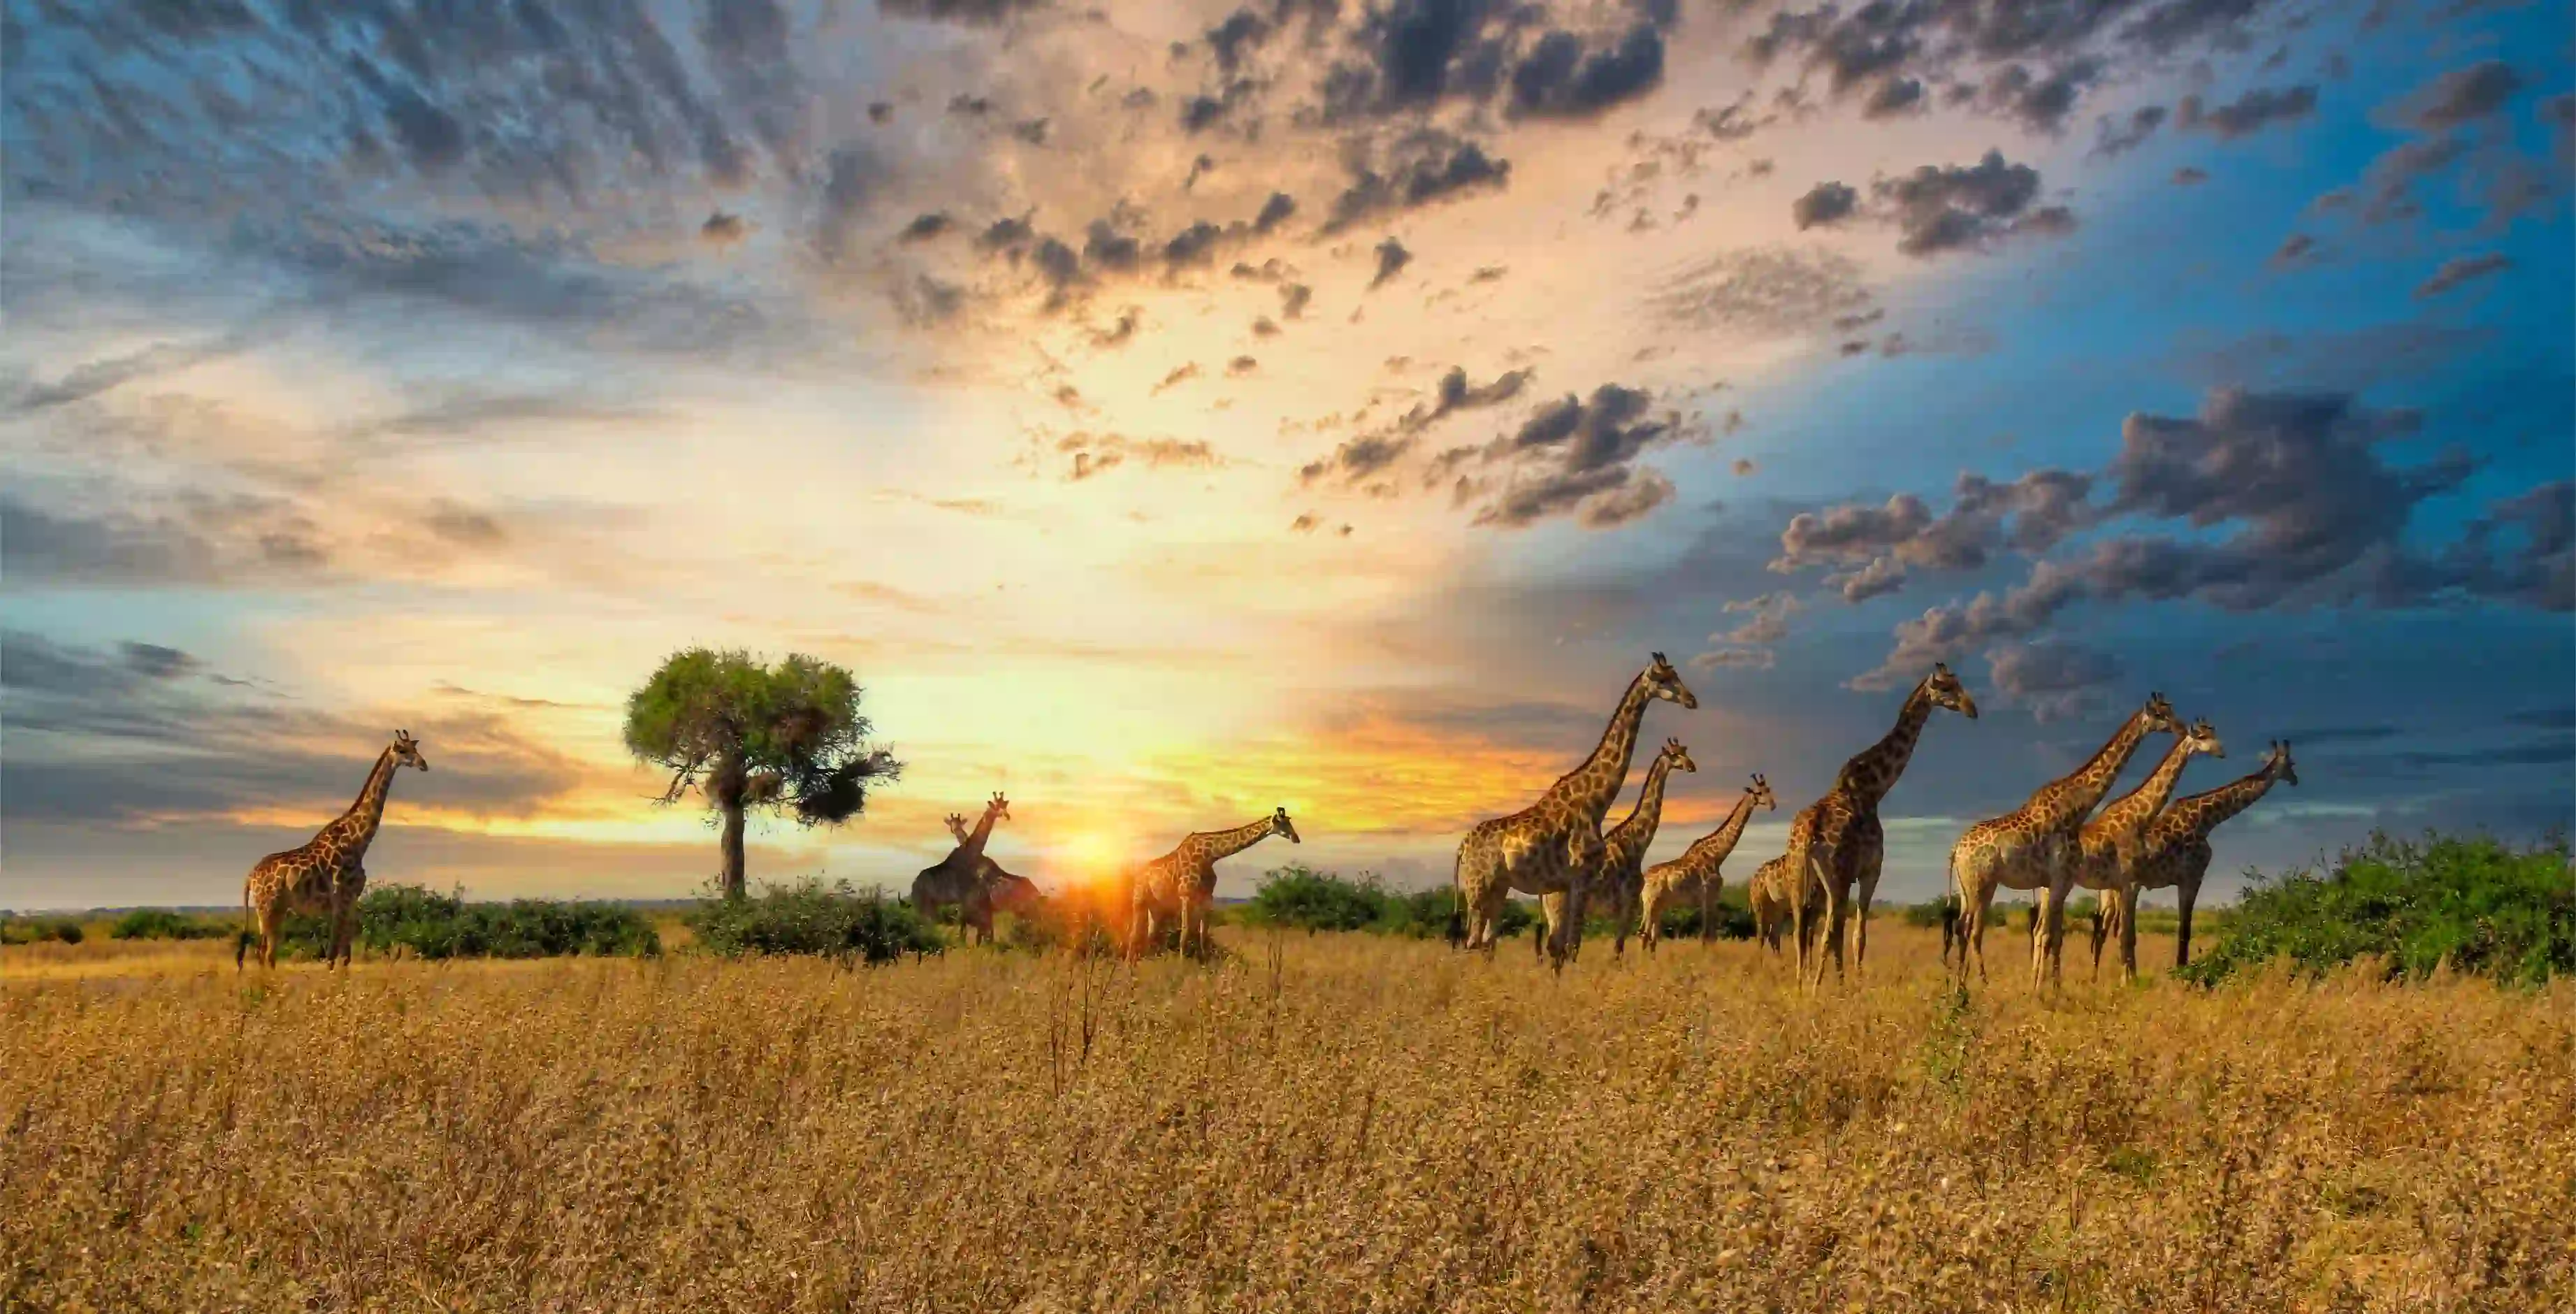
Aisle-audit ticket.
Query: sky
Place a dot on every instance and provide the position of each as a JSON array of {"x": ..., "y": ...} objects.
[{"x": 1174, "y": 411}]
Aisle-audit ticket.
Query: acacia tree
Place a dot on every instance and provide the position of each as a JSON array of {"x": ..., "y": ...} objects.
[{"x": 787, "y": 737}]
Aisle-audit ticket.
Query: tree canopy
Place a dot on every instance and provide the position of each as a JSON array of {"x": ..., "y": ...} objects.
[{"x": 788, "y": 737}]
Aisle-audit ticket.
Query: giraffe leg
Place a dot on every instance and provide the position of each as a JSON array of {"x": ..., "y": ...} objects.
[
  {"x": 2128, "y": 935},
  {"x": 2188, "y": 894}
]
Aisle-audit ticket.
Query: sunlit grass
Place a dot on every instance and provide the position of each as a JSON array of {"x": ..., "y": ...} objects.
[{"x": 1327, "y": 1123}]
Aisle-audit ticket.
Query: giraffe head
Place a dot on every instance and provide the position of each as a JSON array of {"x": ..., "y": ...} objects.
[
  {"x": 957, "y": 826},
  {"x": 1000, "y": 808},
  {"x": 1279, "y": 825},
  {"x": 1666, "y": 683},
  {"x": 406, "y": 751},
  {"x": 1945, "y": 690},
  {"x": 1758, "y": 794},
  {"x": 2283, "y": 769},
  {"x": 2198, "y": 737},
  {"x": 1678, "y": 758},
  {"x": 2160, "y": 715}
]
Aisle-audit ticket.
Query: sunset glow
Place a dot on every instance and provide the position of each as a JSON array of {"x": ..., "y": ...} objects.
[{"x": 1166, "y": 426}]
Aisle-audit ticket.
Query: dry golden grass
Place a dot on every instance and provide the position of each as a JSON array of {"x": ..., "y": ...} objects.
[{"x": 1359, "y": 1124}]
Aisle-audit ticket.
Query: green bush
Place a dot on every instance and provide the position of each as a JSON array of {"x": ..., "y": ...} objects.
[
  {"x": 40, "y": 930},
  {"x": 811, "y": 918},
  {"x": 163, "y": 924},
  {"x": 2480, "y": 905},
  {"x": 1299, "y": 896},
  {"x": 1733, "y": 914},
  {"x": 406, "y": 919}
]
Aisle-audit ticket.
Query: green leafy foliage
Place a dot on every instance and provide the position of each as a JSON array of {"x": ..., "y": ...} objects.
[
  {"x": 2480, "y": 905},
  {"x": 163, "y": 924},
  {"x": 809, "y": 917},
  {"x": 1301, "y": 897},
  {"x": 406, "y": 920},
  {"x": 1734, "y": 916},
  {"x": 39, "y": 930},
  {"x": 787, "y": 737}
]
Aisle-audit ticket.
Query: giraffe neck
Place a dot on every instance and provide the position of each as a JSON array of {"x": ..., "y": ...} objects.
[
  {"x": 2139, "y": 806},
  {"x": 1639, "y": 828},
  {"x": 2076, "y": 794},
  {"x": 972, "y": 847},
  {"x": 1222, "y": 844},
  {"x": 1721, "y": 841},
  {"x": 1590, "y": 787},
  {"x": 368, "y": 812},
  {"x": 2196, "y": 816},
  {"x": 1873, "y": 771}
]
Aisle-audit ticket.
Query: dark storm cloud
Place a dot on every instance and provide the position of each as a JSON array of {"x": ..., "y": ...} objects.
[
  {"x": 2310, "y": 511},
  {"x": 1416, "y": 55},
  {"x": 1423, "y": 168},
  {"x": 2029, "y": 515},
  {"x": 2463, "y": 269},
  {"x": 2248, "y": 114}
]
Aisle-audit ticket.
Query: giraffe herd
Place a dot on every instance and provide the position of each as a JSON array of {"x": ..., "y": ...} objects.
[
  {"x": 1823, "y": 885},
  {"x": 1816, "y": 894}
]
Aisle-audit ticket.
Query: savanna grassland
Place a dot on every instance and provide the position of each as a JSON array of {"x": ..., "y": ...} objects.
[{"x": 1336, "y": 1122}]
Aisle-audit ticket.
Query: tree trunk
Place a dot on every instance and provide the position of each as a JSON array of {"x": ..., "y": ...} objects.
[{"x": 732, "y": 877}]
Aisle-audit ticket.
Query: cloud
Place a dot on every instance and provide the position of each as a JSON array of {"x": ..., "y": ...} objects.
[
  {"x": 1088, "y": 455},
  {"x": 1763, "y": 291},
  {"x": 2289, "y": 503},
  {"x": 966, "y": 13},
  {"x": 2051, "y": 676},
  {"x": 1825, "y": 203},
  {"x": 1571, "y": 456},
  {"x": 1392, "y": 257},
  {"x": 142, "y": 735},
  {"x": 2462, "y": 269},
  {"x": 1561, "y": 78},
  {"x": 2460, "y": 96},
  {"x": 723, "y": 230},
  {"x": 2116, "y": 137},
  {"x": 1428, "y": 167},
  {"x": 2250, "y": 113},
  {"x": 1965, "y": 208},
  {"x": 1749, "y": 643},
  {"x": 1360, "y": 459},
  {"x": 2294, "y": 250}
]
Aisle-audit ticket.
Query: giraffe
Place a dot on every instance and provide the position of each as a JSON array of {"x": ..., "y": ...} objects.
[
  {"x": 2106, "y": 847},
  {"x": 1697, "y": 871},
  {"x": 1836, "y": 845},
  {"x": 1184, "y": 880},
  {"x": 992, "y": 888},
  {"x": 1767, "y": 895},
  {"x": 324, "y": 873},
  {"x": 956, "y": 880},
  {"x": 1619, "y": 881},
  {"x": 2028, "y": 847},
  {"x": 2174, "y": 853},
  {"x": 1555, "y": 844}
]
